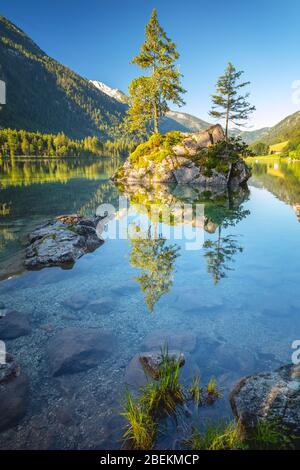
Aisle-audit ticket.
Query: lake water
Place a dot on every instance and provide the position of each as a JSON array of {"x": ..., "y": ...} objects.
[{"x": 232, "y": 306}]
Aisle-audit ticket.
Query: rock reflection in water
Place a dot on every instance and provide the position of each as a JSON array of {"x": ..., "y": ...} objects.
[{"x": 168, "y": 205}]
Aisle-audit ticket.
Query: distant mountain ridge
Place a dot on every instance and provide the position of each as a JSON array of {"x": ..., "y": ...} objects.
[
  {"x": 174, "y": 120},
  {"x": 184, "y": 122},
  {"x": 287, "y": 129},
  {"x": 44, "y": 95}
]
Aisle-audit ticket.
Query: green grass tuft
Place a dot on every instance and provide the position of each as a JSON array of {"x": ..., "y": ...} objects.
[
  {"x": 212, "y": 391},
  {"x": 141, "y": 429},
  {"x": 270, "y": 435},
  {"x": 161, "y": 397},
  {"x": 221, "y": 436},
  {"x": 196, "y": 390}
]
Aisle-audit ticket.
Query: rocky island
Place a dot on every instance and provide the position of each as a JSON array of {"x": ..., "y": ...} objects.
[
  {"x": 60, "y": 242},
  {"x": 203, "y": 159}
]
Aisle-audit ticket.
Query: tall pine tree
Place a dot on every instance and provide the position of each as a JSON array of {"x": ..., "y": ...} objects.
[
  {"x": 150, "y": 94},
  {"x": 228, "y": 104}
]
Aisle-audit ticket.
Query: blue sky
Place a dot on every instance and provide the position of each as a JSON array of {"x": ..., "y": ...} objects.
[{"x": 97, "y": 38}]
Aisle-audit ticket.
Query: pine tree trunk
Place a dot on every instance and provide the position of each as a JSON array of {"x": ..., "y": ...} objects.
[
  {"x": 227, "y": 120},
  {"x": 155, "y": 118},
  {"x": 155, "y": 111}
]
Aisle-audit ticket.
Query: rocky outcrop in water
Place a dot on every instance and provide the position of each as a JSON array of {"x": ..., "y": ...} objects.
[
  {"x": 184, "y": 159},
  {"x": 269, "y": 396},
  {"x": 60, "y": 242},
  {"x": 14, "y": 393}
]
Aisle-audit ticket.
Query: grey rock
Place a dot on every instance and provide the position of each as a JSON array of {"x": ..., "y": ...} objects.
[
  {"x": 74, "y": 350},
  {"x": 14, "y": 394},
  {"x": 13, "y": 325},
  {"x": 135, "y": 376},
  {"x": 216, "y": 180},
  {"x": 271, "y": 395},
  {"x": 184, "y": 342},
  {"x": 151, "y": 361},
  {"x": 76, "y": 302},
  {"x": 186, "y": 175},
  {"x": 240, "y": 174},
  {"x": 60, "y": 242},
  {"x": 101, "y": 306}
]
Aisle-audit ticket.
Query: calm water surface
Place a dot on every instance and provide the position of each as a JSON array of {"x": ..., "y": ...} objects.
[{"x": 233, "y": 306}]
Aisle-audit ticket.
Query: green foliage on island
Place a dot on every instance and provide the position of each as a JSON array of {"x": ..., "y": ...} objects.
[
  {"x": 45, "y": 96},
  {"x": 158, "y": 147},
  {"x": 218, "y": 156},
  {"x": 22, "y": 143}
]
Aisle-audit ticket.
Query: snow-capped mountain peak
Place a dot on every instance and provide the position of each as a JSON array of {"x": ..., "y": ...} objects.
[{"x": 112, "y": 92}]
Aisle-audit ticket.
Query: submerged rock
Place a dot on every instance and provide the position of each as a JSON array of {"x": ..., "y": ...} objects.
[
  {"x": 183, "y": 158},
  {"x": 151, "y": 361},
  {"x": 74, "y": 350},
  {"x": 60, "y": 242},
  {"x": 102, "y": 306},
  {"x": 269, "y": 396},
  {"x": 76, "y": 302},
  {"x": 14, "y": 393},
  {"x": 144, "y": 366},
  {"x": 184, "y": 342},
  {"x": 13, "y": 325}
]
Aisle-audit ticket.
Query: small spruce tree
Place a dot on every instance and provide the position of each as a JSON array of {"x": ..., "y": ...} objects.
[{"x": 228, "y": 104}]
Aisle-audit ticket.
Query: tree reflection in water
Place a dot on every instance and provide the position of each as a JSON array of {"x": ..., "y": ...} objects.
[
  {"x": 219, "y": 254},
  {"x": 156, "y": 259}
]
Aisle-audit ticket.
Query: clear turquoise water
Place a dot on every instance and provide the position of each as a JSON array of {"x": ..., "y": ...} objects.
[{"x": 243, "y": 322}]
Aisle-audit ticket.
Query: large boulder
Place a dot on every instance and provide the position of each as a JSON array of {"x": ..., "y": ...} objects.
[
  {"x": 14, "y": 393},
  {"x": 74, "y": 350},
  {"x": 185, "y": 162},
  {"x": 60, "y": 242},
  {"x": 269, "y": 396},
  {"x": 196, "y": 141},
  {"x": 13, "y": 325}
]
